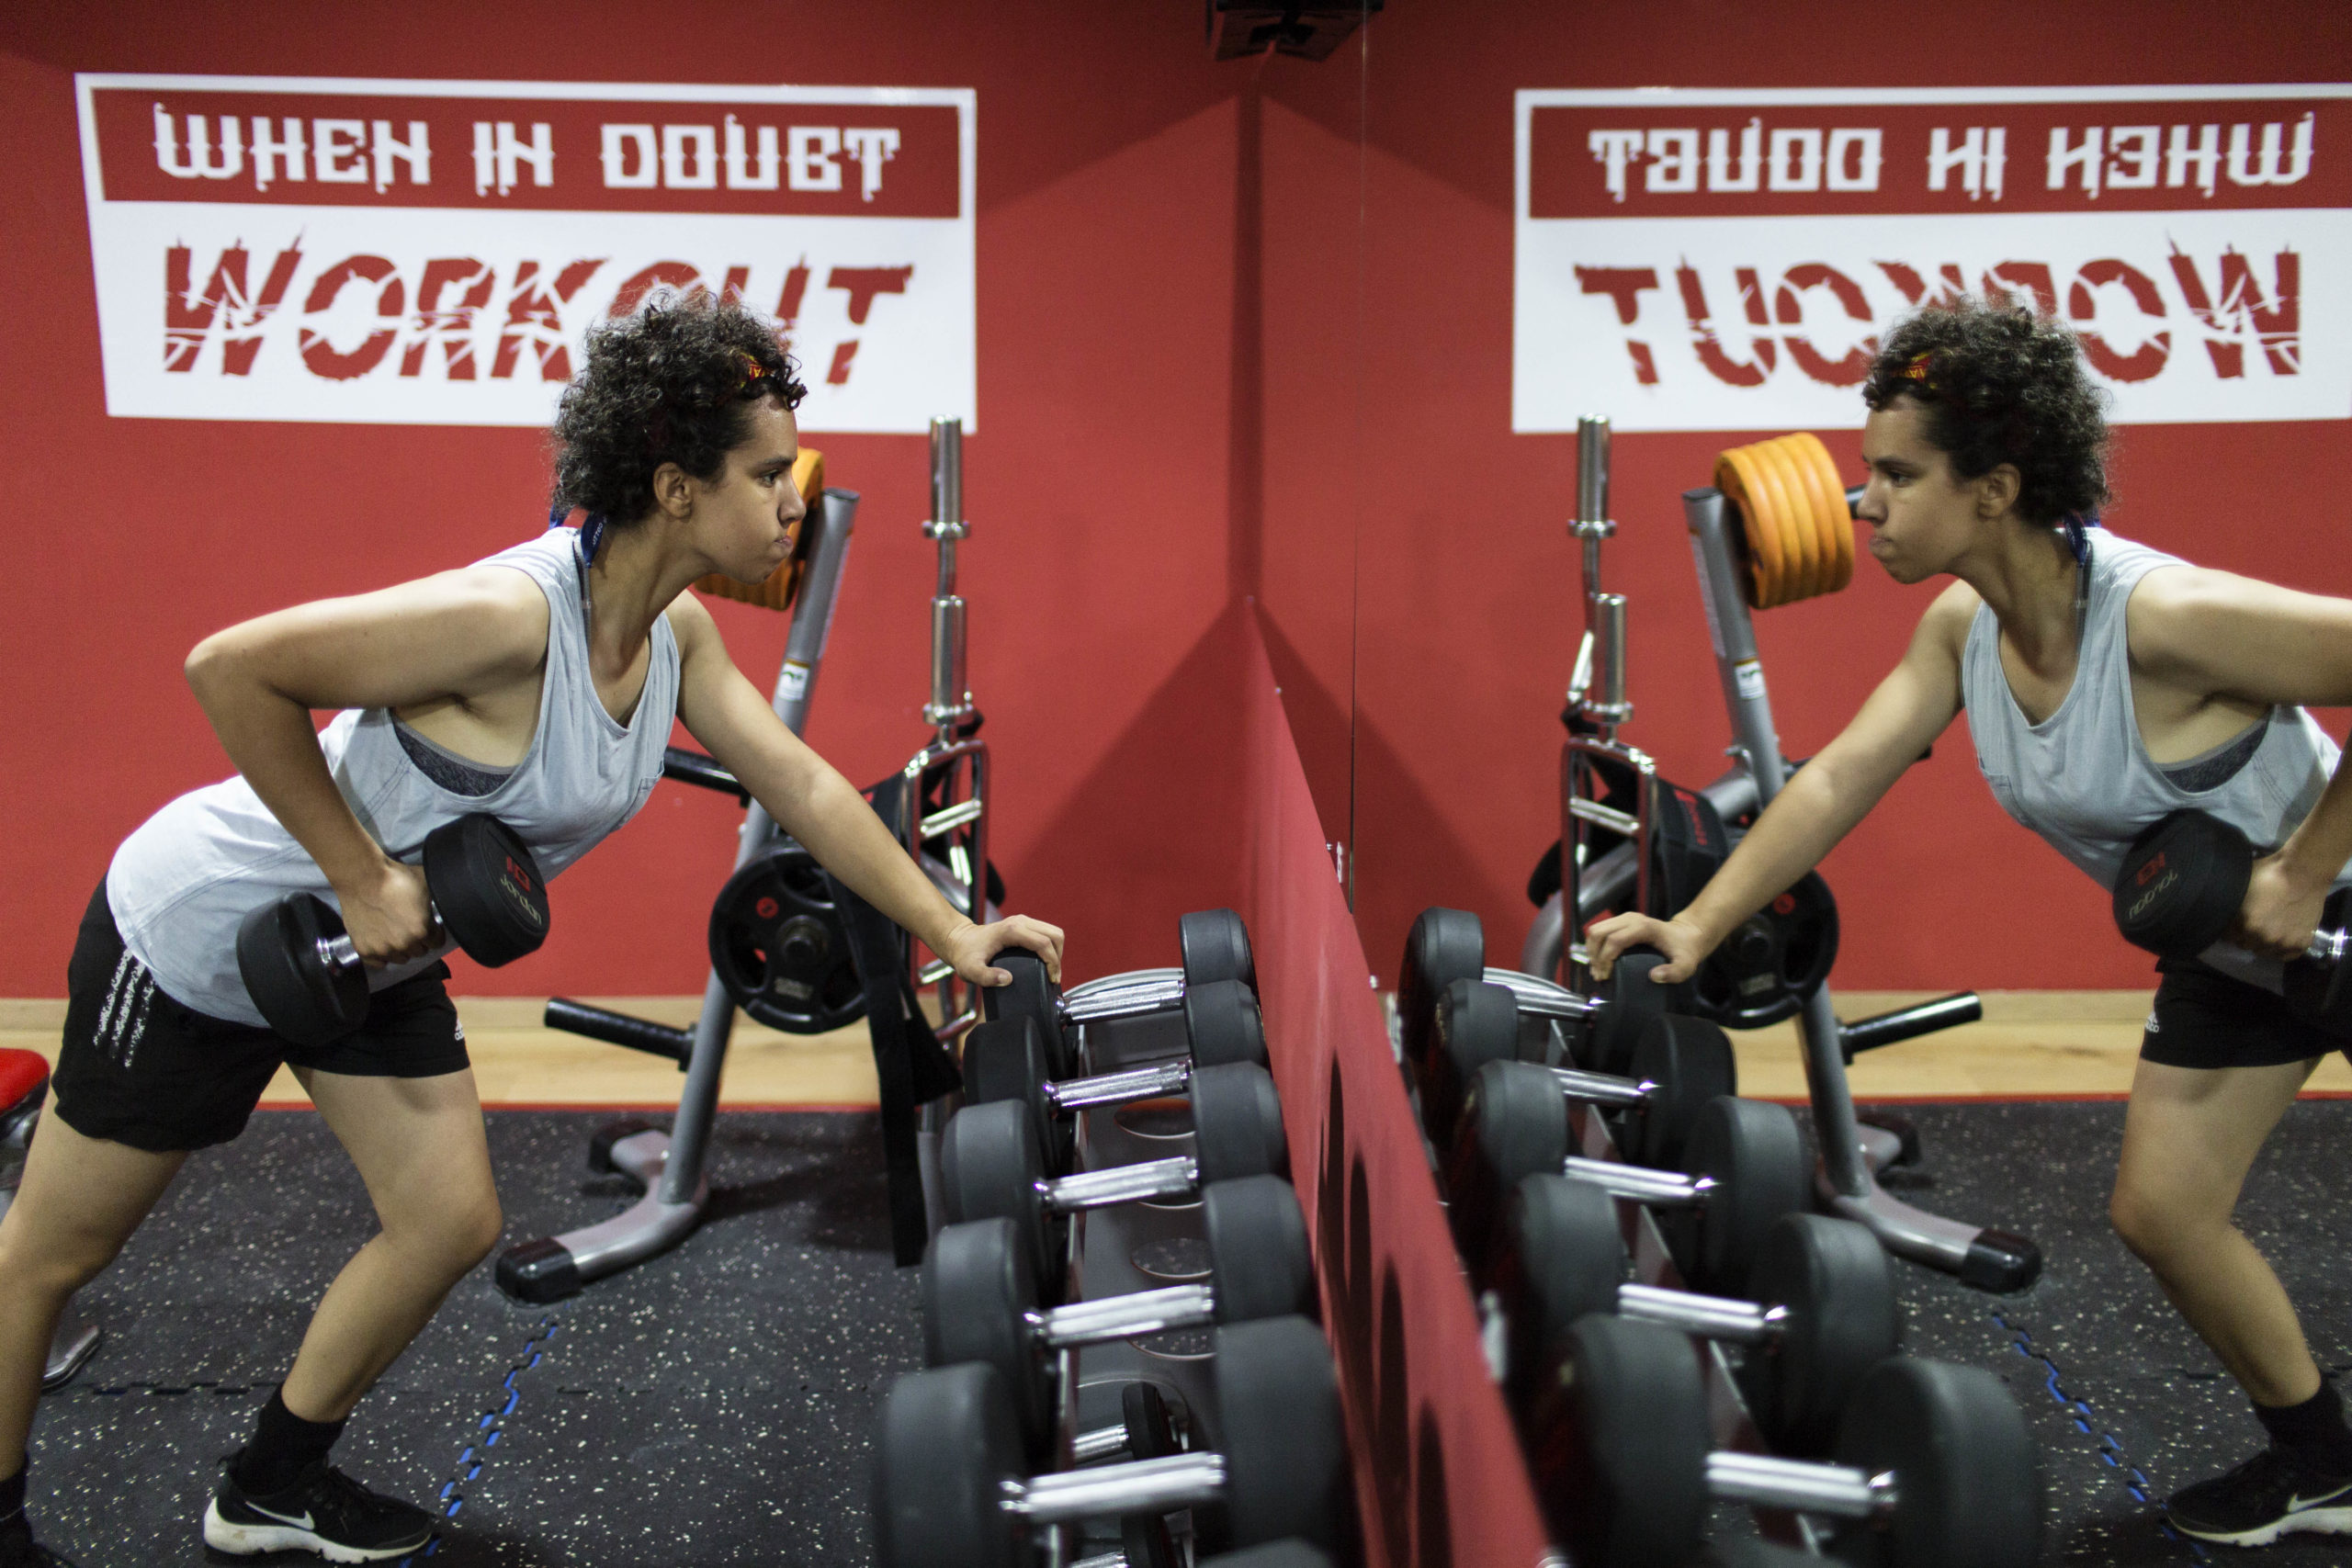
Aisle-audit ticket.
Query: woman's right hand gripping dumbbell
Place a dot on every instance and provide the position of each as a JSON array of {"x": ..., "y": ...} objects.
[{"x": 389, "y": 913}]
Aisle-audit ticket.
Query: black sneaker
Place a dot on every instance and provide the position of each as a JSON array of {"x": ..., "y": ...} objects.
[
  {"x": 323, "y": 1511},
  {"x": 2261, "y": 1500}
]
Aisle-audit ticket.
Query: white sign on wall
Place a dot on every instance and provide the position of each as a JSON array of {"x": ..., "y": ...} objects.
[
  {"x": 1721, "y": 260},
  {"x": 434, "y": 252}
]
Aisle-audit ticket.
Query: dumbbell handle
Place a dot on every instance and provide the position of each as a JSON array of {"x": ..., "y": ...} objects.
[
  {"x": 1124, "y": 1002},
  {"x": 1659, "y": 1189},
  {"x": 1178, "y": 1176},
  {"x": 337, "y": 952},
  {"x": 1539, "y": 997},
  {"x": 1800, "y": 1485},
  {"x": 1123, "y": 1088},
  {"x": 1109, "y": 1318},
  {"x": 2328, "y": 946},
  {"x": 1140, "y": 1486},
  {"x": 1603, "y": 1089},
  {"x": 1099, "y": 1443},
  {"x": 1709, "y": 1317}
]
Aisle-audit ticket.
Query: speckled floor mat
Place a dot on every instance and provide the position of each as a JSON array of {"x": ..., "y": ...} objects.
[
  {"x": 2127, "y": 1403},
  {"x": 712, "y": 1406}
]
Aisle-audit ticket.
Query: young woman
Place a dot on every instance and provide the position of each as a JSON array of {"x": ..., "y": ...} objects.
[
  {"x": 539, "y": 686},
  {"x": 2106, "y": 684}
]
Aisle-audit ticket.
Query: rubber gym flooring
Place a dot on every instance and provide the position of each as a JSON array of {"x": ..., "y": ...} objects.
[{"x": 713, "y": 1406}]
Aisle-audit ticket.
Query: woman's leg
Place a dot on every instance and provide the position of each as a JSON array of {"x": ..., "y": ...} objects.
[
  {"x": 78, "y": 1202},
  {"x": 2188, "y": 1139},
  {"x": 420, "y": 1147}
]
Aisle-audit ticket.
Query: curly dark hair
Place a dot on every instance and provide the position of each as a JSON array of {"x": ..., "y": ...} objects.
[
  {"x": 671, "y": 382},
  {"x": 2000, "y": 384}
]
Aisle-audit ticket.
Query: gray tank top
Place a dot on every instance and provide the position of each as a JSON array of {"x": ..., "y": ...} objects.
[
  {"x": 181, "y": 883},
  {"x": 2083, "y": 779}
]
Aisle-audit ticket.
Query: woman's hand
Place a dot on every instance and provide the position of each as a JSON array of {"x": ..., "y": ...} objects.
[
  {"x": 2280, "y": 911},
  {"x": 390, "y": 915},
  {"x": 1684, "y": 944},
  {"x": 970, "y": 947}
]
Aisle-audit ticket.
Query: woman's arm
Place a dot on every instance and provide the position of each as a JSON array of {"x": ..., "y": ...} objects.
[
  {"x": 1820, "y": 804},
  {"x": 462, "y": 635},
  {"x": 2214, "y": 634},
  {"x": 811, "y": 801}
]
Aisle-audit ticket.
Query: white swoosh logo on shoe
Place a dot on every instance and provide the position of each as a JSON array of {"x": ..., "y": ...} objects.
[
  {"x": 2298, "y": 1503},
  {"x": 303, "y": 1523}
]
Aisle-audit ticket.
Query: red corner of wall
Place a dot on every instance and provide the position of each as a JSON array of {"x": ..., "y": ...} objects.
[{"x": 1439, "y": 1478}]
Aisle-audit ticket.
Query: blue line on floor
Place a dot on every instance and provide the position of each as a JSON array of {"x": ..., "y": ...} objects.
[
  {"x": 2110, "y": 1446},
  {"x": 484, "y": 1436}
]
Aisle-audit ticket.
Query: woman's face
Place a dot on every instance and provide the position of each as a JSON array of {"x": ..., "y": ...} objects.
[
  {"x": 1922, "y": 518},
  {"x": 748, "y": 519}
]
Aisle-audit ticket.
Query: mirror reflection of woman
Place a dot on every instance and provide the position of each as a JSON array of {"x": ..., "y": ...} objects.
[{"x": 2106, "y": 684}]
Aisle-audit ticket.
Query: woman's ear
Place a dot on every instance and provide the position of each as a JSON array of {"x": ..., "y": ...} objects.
[
  {"x": 1997, "y": 492},
  {"x": 674, "y": 491}
]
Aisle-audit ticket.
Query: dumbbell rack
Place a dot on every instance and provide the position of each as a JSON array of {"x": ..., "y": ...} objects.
[
  {"x": 1105, "y": 1244},
  {"x": 1730, "y": 1424}
]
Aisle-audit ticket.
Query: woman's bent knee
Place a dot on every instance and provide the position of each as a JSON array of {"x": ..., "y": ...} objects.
[{"x": 453, "y": 1241}]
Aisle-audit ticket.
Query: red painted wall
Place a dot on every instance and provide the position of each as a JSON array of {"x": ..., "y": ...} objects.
[{"x": 1467, "y": 608}]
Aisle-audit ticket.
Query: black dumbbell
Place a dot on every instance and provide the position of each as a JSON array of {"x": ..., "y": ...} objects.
[
  {"x": 308, "y": 981},
  {"x": 1824, "y": 1313},
  {"x": 1446, "y": 945},
  {"x": 980, "y": 1299},
  {"x": 1743, "y": 1167},
  {"x": 1216, "y": 989},
  {"x": 952, "y": 1488},
  {"x": 2183, "y": 882},
  {"x": 991, "y": 1164},
  {"x": 1679, "y": 1065},
  {"x": 1934, "y": 1467},
  {"x": 1145, "y": 1429},
  {"x": 1006, "y": 1059}
]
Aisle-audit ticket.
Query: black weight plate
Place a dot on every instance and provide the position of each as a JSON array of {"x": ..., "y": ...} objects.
[
  {"x": 1763, "y": 974},
  {"x": 1286, "y": 1445},
  {"x": 948, "y": 1449},
  {"x": 1238, "y": 1123},
  {"x": 1258, "y": 1252},
  {"x": 1967, "y": 1480},
  {"x": 1755, "y": 1154},
  {"x": 1630, "y": 1001},
  {"x": 1477, "y": 1023},
  {"x": 1215, "y": 946},
  {"x": 1445, "y": 945},
  {"x": 976, "y": 1287},
  {"x": 1222, "y": 1020},
  {"x": 1004, "y": 1059},
  {"x": 1561, "y": 1255},
  {"x": 1151, "y": 1431},
  {"x": 1618, "y": 1442},
  {"x": 989, "y": 1168},
  {"x": 1033, "y": 994},
  {"x": 487, "y": 888},
  {"x": 1691, "y": 1062},
  {"x": 1144, "y": 1541},
  {"x": 1833, "y": 1277},
  {"x": 305, "y": 999},
  {"x": 2182, "y": 883},
  {"x": 1514, "y": 1122},
  {"x": 779, "y": 946}
]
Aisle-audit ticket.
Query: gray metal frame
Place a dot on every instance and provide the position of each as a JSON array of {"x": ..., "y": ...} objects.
[{"x": 671, "y": 1164}]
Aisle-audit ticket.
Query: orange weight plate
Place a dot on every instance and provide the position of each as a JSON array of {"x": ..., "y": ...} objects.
[
  {"x": 1832, "y": 515},
  {"x": 782, "y": 585},
  {"x": 1735, "y": 477},
  {"x": 1798, "y": 526},
  {"x": 1771, "y": 514}
]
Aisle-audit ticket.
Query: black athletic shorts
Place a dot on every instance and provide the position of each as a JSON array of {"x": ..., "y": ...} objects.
[
  {"x": 140, "y": 1067},
  {"x": 2203, "y": 1018}
]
